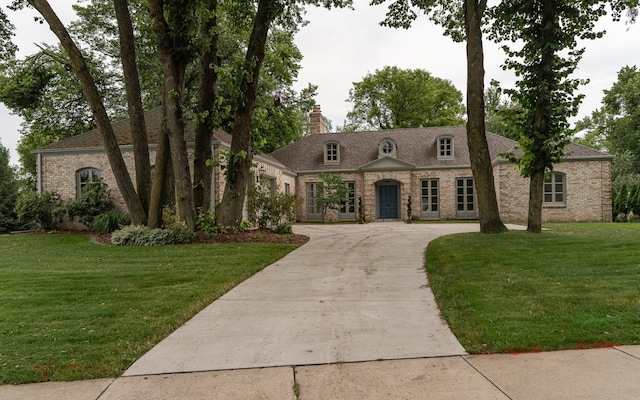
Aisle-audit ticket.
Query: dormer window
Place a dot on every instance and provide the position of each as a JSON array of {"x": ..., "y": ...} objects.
[
  {"x": 387, "y": 148},
  {"x": 445, "y": 148},
  {"x": 331, "y": 153}
]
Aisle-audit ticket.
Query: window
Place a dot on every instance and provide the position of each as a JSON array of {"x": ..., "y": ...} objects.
[
  {"x": 348, "y": 208},
  {"x": 465, "y": 198},
  {"x": 387, "y": 148},
  {"x": 429, "y": 207},
  {"x": 554, "y": 189},
  {"x": 287, "y": 188},
  {"x": 84, "y": 177},
  {"x": 445, "y": 148},
  {"x": 331, "y": 153},
  {"x": 314, "y": 210}
]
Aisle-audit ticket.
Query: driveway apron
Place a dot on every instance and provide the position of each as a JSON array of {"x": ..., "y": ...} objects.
[{"x": 352, "y": 293}]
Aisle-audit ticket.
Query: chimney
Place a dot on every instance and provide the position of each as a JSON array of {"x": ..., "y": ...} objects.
[{"x": 317, "y": 123}]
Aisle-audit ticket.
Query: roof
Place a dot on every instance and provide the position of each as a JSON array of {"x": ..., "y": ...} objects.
[
  {"x": 417, "y": 147},
  {"x": 153, "y": 121}
]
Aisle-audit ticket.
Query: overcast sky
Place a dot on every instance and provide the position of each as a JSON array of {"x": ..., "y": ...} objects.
[{"x": 341, "y": 46}]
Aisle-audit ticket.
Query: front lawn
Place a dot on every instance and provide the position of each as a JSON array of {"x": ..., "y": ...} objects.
[
  {"x": 71, "y": 309},
  {"x": 573, "y": 286}
]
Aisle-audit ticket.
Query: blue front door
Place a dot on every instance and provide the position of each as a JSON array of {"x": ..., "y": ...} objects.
[{"x": 388, "y": 201}]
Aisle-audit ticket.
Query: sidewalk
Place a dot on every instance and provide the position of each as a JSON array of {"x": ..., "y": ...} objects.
[
  {"x": 602, "y": 374},
  {"x": 318, "y": 323}
]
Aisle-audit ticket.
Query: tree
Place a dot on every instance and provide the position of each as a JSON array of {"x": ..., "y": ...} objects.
[
  {"x": 99, "y": 112},
  {"x": 134, "y": 102},
  {"x": 548, "y": 31},
  {"x": 239, "y": 161},
  {"x": 8, "y": 193},
  {"x": 395, "y": 98},
  {"x": 462, "y": 21},
  {"x": 496, "y": 105},
  {"x": 44, "y": 91},
  {"x": 615, "y": 127},
  {"x": 333, "y": 191}
]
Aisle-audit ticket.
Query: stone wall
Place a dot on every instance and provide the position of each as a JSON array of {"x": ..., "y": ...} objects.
[
  {"x": 588, "y": 193},
  {"x": 58, "y": 172}
]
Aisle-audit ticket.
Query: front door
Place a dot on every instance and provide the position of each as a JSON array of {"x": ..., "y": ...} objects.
[{"x": 388, "y": 201}]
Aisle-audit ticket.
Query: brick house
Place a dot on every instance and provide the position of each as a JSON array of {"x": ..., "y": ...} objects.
[{"x": 381, "y": 169}]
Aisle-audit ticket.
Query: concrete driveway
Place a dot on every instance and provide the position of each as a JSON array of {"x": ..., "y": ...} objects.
[{"x": 353, "y": 293}]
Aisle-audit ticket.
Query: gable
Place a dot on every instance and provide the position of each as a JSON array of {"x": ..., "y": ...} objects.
[{"x": 387, "y": 164}]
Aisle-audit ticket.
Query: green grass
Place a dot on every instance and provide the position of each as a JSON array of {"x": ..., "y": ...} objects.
[
  {"x": 71, "y": 309},
  {"x": 573, "y": 286}
]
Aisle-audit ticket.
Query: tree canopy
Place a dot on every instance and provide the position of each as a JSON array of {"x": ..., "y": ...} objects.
[
  {"x": 393, "y": 98},
  {"x": 541, "y": 43},
  {"x": 615, "y": 127},
  {"x": 8, "y": 193}
]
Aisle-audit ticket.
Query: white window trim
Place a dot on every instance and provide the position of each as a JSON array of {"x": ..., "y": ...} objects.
[
  {"x": 381, "y": 146},
  {"x": 79, "y": 184},
  {"x": 439, "y": 143},
  {"x": 553, "y": 192},
  {"x": 326, "y": 153}
]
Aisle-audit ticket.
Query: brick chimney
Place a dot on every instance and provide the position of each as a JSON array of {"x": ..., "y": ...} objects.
[{"x": 317, "y": 123}]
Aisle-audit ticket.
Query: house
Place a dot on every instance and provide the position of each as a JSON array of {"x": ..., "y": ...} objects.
[{"x": 382, "y": 170}]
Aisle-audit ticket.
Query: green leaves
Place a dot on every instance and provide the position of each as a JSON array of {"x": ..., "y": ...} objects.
[{"x": 395, "y": 98}]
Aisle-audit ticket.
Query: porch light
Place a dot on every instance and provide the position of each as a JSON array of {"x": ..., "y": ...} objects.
[{"x": 261, "y": 171}]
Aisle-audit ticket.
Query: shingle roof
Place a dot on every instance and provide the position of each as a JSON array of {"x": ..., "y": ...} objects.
[
  {"x": 417, "y": 147},
  {"x": 153, "y": 120}
]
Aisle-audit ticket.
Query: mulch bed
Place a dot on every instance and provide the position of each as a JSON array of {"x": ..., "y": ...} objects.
[{"x": 250, "y": 236}]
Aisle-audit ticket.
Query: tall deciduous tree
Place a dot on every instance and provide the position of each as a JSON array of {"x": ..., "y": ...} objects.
[
  {"x": 615, "y": 127},
  {"x": 239, "y": 160},
  {"x": 209, "y": 63},
  {"x": 548, "y": 31},
  {"x": 93, "y": 96},
  {"x": 174, "y": 22},
  {"x": 134, "y": 102},
  {"x": 395, "y": 98},
  {"x": 462, "y": 21}
]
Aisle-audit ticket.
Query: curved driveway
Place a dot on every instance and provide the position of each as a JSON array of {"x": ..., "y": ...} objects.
[{"x": 352, "y": 293}]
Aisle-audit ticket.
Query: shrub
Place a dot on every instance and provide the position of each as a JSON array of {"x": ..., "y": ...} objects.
[
  {"x": 44, "y": 211},
  {"x": 267, "y": 210},
  {"x": 283, "y": 228},
  {"x": 95, "y": 200},
  {"x": 245, "y": 225},
  {"x": 138, "y": 235},
  {"x": 206, "y": 223},
  {"x": 110, "y": 221}
]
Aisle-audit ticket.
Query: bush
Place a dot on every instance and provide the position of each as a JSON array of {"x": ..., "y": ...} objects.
[
  {"x": 267, "y": 210},
  {"x": 138, "y": 235},
  {"x": 110, "y": 221},
  {"x": 206, "y": 223},
  {"x": 44, "y": 211},
  {"x": 95, "y": 200},
  {"x": 283, "y": 228},
  {"x": 245, "y": 225}
]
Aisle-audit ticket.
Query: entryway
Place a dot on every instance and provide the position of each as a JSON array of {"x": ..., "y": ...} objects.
[{"x": 388, "y": 205}]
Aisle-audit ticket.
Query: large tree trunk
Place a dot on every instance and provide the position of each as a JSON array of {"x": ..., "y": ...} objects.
[
  {"x": 536, "y": 185},
  {"x": 173, "y": 87},
  {"x": 112, "y": 149},
  {"x": 206, "y": 109},
  {"x": 239, "y": 164},
  {"x": 134, "y": 101},
  {"x": 541, "y": 122},
  {"x": 481, "y": 167},
  {"x": 162, "y": 179}
]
